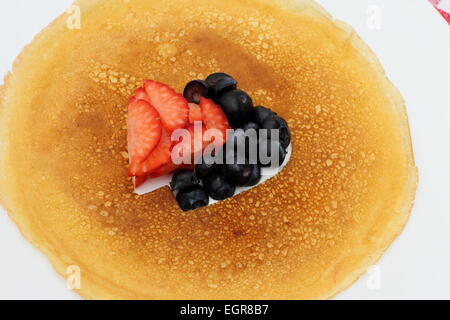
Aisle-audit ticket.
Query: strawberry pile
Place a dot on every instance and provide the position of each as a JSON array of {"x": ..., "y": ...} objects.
[{"x": 155, "y": 111}]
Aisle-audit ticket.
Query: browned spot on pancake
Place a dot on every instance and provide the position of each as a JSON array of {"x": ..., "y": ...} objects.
[{"x": 238, "y": 233}]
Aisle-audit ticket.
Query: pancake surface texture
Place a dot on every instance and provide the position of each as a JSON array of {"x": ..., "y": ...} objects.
[{"x": 308, "y": 233}]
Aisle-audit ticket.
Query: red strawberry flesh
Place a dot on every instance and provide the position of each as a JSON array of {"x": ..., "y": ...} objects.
[
  {"x": 172, "y": 106},
  {"x": 159, "y": 156},
  {"x": 214, "y": 117},
  {"x": 144, "y": 130},
  {"x": 194, "y": 143},
  {"x": 195, "y": 113},
  {"x": 139, "y": 181},
  {"x": 139, "y": 94},
  {"x": 169, "y": 168}
]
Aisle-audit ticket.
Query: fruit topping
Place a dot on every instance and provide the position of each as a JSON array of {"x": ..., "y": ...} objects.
[
  {"x": 195, "y": 113},
  {"x": 238, "y": 174},
  {"x": 193, "y": 143},
  {"x": 269, "y": 159},
  {"x": 192, "y": 198},
  {"x": 205, "y": 114},
  {"x": 217, "y": 185},
  {"x": 244, "y": 144},
  {"x": 139, "y": 94},
  {"x": 237, "y": 106},
  {"x": 139, "y": 181},
  {"x": 203, "y": 169},
  {"x": 251, "y": 126},
  {"x": 169, "y": 168},
  {"x": 194, "y": 90},
  {"x": 214, "y": 118},
  {"x": 255, "y": 176},
  {"x": 158, "y": 157},
  {"x": 172, "y": 107},
  {"x": 219, "y": 83},
  {"x": 224, "y": 85},
  {"x": 262, "y": 113},
  {"x": 144, "y": 130},
  {"x": 183, "y": 179},
  {"x": 276, "y": 122}
]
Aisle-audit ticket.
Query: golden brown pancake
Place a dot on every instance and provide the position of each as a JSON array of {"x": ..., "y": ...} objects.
[{"x": 307, "y": 233}]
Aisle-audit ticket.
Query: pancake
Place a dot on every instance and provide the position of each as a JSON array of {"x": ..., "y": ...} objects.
[{"x": 307, "y": 233}]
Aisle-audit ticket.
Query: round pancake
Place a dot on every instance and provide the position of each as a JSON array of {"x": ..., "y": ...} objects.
[{"x": 308, "y": 233}]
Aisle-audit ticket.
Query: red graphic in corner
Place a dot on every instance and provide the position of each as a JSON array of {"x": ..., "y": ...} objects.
[{"x": 443, "y": 6}]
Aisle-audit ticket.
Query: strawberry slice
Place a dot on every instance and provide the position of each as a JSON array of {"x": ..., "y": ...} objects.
[
  {"x": 195, "y": 113},
  {"x": 169, "y": 168},
  {"x": 139, "y": 181},
  {"x": 139, "y": 94},
  {"x": 159, "y": 156},
  {"x": 197, "y": 142},
  {"x": 165, "y": 169},
  {"x": 214, "y": 117},
  {"x": 144, "y": 130},
  {"x": 172, "y": 107}
]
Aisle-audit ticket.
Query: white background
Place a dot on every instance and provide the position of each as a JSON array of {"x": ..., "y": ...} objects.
[{"x": 413, "y": 44}]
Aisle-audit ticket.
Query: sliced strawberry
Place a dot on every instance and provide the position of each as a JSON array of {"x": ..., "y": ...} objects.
[
  {"x": 172, "y": 107},
  {"x": 139, "y": 181},
  {"x": 139, "y": 94},
  {"x": 159, "y": 156},
  {"x": 194, "y": 144},
  {"x": 195, "y": 113},
  {"x": 214, "y": 117},
  {"x": 169, "y": 168},
  {"x": 144, "y": 130},
  {"x": 165, "y": 169}
]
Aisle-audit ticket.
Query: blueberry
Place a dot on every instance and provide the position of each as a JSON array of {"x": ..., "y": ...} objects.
[
  {"x": 237, "y": 106},
  {"x": 217, "y": 186},
  {"x": 183, "y": 179},
  {"x": 251, "y": 126},
  {"x": 192, "y": 198},
  {"x": 276, "y": 122},
  {"x": 238, "y": 174},
  {"x": 213, "y": 78},
  {"x": 255, "y": 175},
  {"x": 194, "y": 90},
  {"x": 219, "y": 83},
  {"x": 222, "y": 86},
  {"x": 280, "y": 153},
  {"x": 262, "y": 113},
  {"x": 244, "y": 139},
  {"x": 203, "y": 169}
]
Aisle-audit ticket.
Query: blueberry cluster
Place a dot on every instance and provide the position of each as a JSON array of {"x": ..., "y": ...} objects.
[
  {"x": 219, "y": 181},
  {"x": 191, "y": 194}
]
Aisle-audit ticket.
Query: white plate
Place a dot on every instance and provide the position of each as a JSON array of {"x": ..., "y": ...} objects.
[{"x": 413, "y": 44}]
